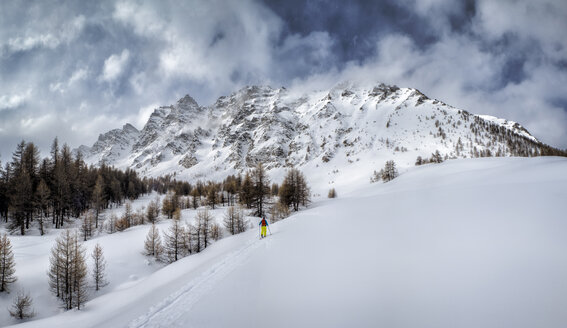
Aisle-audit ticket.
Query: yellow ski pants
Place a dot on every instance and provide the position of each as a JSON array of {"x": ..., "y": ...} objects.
[{"x": 263, "y": 233}]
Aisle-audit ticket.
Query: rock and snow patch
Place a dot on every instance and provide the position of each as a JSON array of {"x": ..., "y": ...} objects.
[{"x": 340, "y": 127}]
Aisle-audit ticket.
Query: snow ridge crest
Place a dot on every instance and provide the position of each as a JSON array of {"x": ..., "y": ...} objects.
[{"x": 348, "y": 123}]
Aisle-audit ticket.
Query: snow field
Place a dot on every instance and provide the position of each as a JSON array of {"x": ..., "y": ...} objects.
[
  {"x": 466, "y": 243},
  {"x": 126, "y": 269},
  {"x": 477, "y": 243}
]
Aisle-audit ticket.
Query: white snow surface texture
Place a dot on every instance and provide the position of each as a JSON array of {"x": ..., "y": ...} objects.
[{"x": 465, "y": 243}]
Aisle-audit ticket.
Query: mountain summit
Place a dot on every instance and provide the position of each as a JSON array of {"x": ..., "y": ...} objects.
[{"x": 331, "y": 130}]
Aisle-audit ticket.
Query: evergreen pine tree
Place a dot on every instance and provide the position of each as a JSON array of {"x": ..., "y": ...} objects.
[
  {"x": 170, "y": 204},
  {"x": 99, "y": 267},
  {"x": 42, "y": 196},
  {"x": 247, "y": 191},
  {"x": 212, "y": 196},
  {"x": 79, "y": 274},
  {"x": 7, "y": 264},
  {"x": 294, "y": 190},
  {"x": 4, "y": 192},
  {"x": 68, "y": 271},
  {"x": 22, "y": 306},
  {"x": 234, "y": 220},
  {"x": 332, "y": 193},
  {"x": 87, "y": 226},
  {"x": 202, "y": 230},
  {"x": 175, "y": 241},
  {"x": 261, "y": 185},
  {"x": 389, "y": 172},
  {"x": 194, "y": 198},
  {"x": 152, "y": 211},
  {"x": 98, "y": 197},
  {"x": 152, "y": 245}
]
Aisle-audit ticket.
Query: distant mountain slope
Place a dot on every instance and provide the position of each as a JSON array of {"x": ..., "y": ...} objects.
[{"x": 331, "y": 130}]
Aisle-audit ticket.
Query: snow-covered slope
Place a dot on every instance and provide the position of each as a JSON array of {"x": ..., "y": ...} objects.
[
  {"x": 341, "y": 133},
  {"x": 466, "y": 243}
]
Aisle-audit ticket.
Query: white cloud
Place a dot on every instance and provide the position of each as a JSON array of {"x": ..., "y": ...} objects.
[
  {"x": 30, "y": 42},
  {"x": 50, "y": 39},
  {"x": 78, "y": 75},
  {"x": 206, "y": 42},
  {"x": 538, "y": 23},
  {"x": 14, "y": 101},
  {"x": 115, "y": 65}
]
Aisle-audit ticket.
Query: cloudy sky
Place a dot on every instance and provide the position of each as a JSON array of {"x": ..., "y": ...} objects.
[{"x": 74, "y": 69}]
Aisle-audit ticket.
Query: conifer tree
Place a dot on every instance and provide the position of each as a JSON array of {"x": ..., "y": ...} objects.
[
  {"x": 170, "y": 203},
  {"x": 152, "y": 245},
  {"x": 376, "y": 176},
  {"x": 22, "y": 306},
  {"x": 419, "y": 160},
  {"x": 194, "y": 198},
  {"x": 247, "y": 191},
  {"x": 332, "y": 193},
  {"x": 99, "y": 267},
  {"x": 234, "y": 220},
  {"x": 294, "y": 190},
  {"x": 389, "y": 172},
  {"x": 42, "y": 196},
  {"x": 202, "y": 230},
  {"x": 177, "y": 214},
  {"x": 4, "y": 193},
  {"x": 212, "y": 197},
  {"x": 87, "y": 226},
  {"x": 98, "y": 197},
  {"x": 216, "y": 232},
  {"x": 128, "y": 214},
  {"x": 152, "y": 211},
  {"x": 68, "y": 271},
  {"x": 7, "y": 264},
  {"x": 261, "y": 189},
  {"x": 175, "y": 241},
  {"x": 21, "y": 198},
  {"x": 437, "y": 158},
  {"x": 79, "y": 270}
]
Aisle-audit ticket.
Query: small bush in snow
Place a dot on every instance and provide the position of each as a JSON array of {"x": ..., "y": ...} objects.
[
  {"x": 216, "y": 232},
  {"x": 389, "y": 172},
  {"x": 22, "y": 306},
  {"x": 332, "y": 193}
]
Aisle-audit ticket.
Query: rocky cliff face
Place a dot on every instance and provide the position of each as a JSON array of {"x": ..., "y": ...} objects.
[
  {"x": 111, "y": 147},
  {"x": 331, "y": 129}
]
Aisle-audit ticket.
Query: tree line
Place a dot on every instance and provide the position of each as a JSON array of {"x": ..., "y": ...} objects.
[
  {"x": 252, "y": 190},
  {"x": 59, "y": 187}
]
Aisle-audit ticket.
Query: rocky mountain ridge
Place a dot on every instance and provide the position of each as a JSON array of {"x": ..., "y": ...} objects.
[{"x": 330, "y": 130}]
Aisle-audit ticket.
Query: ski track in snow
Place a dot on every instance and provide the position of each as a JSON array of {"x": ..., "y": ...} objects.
[{"x": 166, "y": 313}]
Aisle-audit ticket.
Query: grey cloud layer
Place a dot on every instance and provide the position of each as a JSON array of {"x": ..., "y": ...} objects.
[{"x": 78, "y": 69}]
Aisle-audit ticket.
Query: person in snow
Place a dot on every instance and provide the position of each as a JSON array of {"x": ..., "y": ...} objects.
[{"x": 264, "y": 226}]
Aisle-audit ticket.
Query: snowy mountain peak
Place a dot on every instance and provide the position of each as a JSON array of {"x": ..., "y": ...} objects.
[
  {"x": 351, "y": 127},
  {"x": 187, "y": 101},
  {"x": 129, "y": 128}
]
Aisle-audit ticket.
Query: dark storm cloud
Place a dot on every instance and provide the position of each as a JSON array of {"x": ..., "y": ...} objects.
[
  {"x": 76, "y": 69},
  {"x": 495, "y": 57},
  {"x": 355, "y": 25}
]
